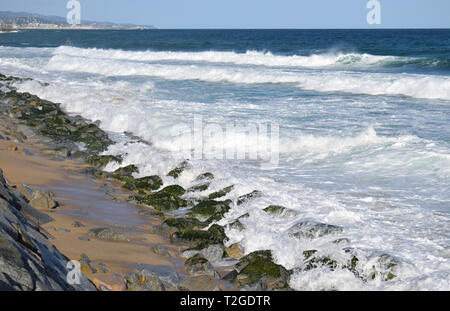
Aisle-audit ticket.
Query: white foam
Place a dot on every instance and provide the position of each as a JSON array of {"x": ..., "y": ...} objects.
[
  {"x": 248, "y": 58},
  {"x": 414, "y": 85}
]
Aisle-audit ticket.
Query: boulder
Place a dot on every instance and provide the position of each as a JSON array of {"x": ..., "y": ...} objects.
[
  {"x": 176, "y": 172},
  {"x": 107, "y": 234},
  {"x": 309, "y": 229},
  {"x": 43, "y": 200},
  {"x": 200, "y": 283},
  {"x": 111, "y": 282},
  {"x": 258, "y": 265},
  {"x": 210, "y": 210},
  {"x": 221, "y": 193}
]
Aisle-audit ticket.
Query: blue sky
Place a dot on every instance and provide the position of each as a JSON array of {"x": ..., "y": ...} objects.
[{"x": 248, "y": 13}]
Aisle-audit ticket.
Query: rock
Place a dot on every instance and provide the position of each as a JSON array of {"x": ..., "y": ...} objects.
[
  {"x": 61, "y": 152},
  {"x": 202, "y": 238},
  {"x": 236, "y": 225},
  {"x": 312, "y": 261},
  {"x": 249, "y": 196},
  {"x": 126, "y": 171},
  {"x": 152, "y": 278},
  {"x": 78, "y": 224},
  {"x": 148, "y": 183},
  {"x": 384, "y": 267},
  {"x": 107, "y": 234},
  {"x": 309, "y": 229},
  {"x": 28, "y": 261},
  {"x": 213, "y": 253},
  {"x": 160, "y": 250},
  {"x": 199, "y": 283},
  {"x": 258, "y": 265},
  {"x": 277, "y": 210},
  {"x": 110, "y": 282},
  {"x": 167, "y": 199},
  {"x": 143, "y": 280},
  {"x": 234, "y": 251},
  {"x": 182, "y": 223},
  {"x": 203, "y": 177},
  {"x": 86, "y": 266},
  {"x": 102, "y": 160},
  {"x": 221, "y": 193},
  {"x": 12, "y": 148},
  {"x": 43, "y": 200},
  {"x": 198, "y": 265},
  {"x": 84, "y": 238},
  {"x": 63, "y": 230},
  {"x": 25, "y": 190},
  {"x": 210, "y": 210},
  {"x": 176, "y": 172}
]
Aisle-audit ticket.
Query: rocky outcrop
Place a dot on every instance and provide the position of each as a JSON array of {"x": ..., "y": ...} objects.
[{"x": 28, "y": 261}]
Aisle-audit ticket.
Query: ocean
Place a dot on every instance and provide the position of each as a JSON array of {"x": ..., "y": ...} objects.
[{"x": 362, "y": 140}]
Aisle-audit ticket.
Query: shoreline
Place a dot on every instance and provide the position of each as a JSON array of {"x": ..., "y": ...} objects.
[{"x": 136, "y": 239}]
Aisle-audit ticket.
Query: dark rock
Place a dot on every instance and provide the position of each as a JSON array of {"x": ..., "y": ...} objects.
[
  {"x": 100, "y": 161},
  {"x": 126, "y": 171},
  {"x": 258, "y": 265},
  {"x": 210, "y": 210},
  {"x": 221, "y": 193},
  {"x": 279, "y": 211},
  {"x": 309, "y": 229},
  {"x": 148, "y": 183},
  {"x": 176, "y": 172},
  {"x": 249, "y": 196},
  {"x": 167, "y": 199},
  {"x": 197, "y": 265}
]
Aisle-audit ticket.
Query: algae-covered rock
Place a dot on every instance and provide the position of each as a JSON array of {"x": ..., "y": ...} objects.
[
  {"x": 126, "y": 171},
  {"x": 202, "y": 238},
  {"x": 198, "y": 265},
  {"x": 100, "y": 161},
  {"x": 183, "y": 223},
  {"x": 176, "y": 172},
  {"x": 384, "y": 267},
  {"x": 221, "y": 193},
  {"x": 312, "y": 261},
  {"x": 167, "y": 199},
  {"x": 210, "y": 210},
  {"x": 147, "y": 183},
  {"x": 258, "y": 265},
  {"x": 278, "y": 210},
  {"x": 204, "y": 176},
  {"x": 309, "y": 229},
  {"x": 249, "y": 196}
]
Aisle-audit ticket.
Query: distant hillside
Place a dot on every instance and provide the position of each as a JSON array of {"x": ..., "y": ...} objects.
[{"x": 29, "y": 20}]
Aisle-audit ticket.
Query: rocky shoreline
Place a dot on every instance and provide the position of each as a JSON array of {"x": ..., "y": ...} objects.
[{"x": 202, "y": 242}]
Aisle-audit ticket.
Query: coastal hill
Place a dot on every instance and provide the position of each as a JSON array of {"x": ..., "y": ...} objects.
[{"x": 22, "y": 20}]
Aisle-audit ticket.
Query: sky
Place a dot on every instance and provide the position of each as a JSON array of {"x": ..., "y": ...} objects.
[{"x": 248, "y": 13}]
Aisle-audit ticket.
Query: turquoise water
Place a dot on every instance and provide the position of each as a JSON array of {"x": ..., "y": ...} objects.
[{"x": 363, "y": 116}]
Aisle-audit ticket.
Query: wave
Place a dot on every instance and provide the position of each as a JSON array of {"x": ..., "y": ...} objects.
[
  {"x": 412, "y": 85},
  {"x": 255, "y": 58}
]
